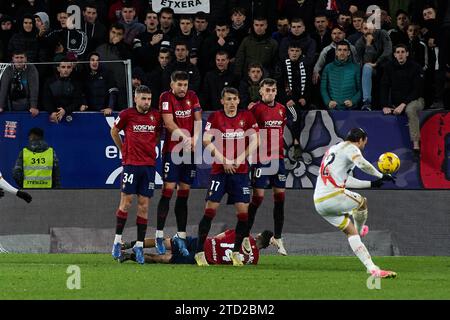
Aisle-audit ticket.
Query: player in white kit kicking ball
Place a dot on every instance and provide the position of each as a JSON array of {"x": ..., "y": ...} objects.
[{"x": 336, "y": 204}]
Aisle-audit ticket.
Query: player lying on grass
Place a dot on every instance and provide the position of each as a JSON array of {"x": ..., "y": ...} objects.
[
  {"x": 218, "y": 249},
  {"x": 4, "y": 185},
  {"x": 335, "y": 203}
]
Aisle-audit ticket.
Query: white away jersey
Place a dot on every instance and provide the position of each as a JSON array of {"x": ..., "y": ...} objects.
[{"x": 337, "y": 164}]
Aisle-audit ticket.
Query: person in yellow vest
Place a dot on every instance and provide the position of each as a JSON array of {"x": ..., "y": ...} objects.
[{"x": 37, "y": 165}]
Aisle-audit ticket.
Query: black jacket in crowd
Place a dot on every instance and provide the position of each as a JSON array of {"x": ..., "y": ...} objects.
[
  {"x": 145, "y": 55},
  {"x": 192, "y": 70},
  {"x": 213, "y": 84},
  {"x": 100, "y": 89},
  {"x": 63, "y": 92},
  {"x": 401, "y": 83}
]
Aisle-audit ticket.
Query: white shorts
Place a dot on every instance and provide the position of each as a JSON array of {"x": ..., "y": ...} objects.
[{"x": 336, "y": 207}]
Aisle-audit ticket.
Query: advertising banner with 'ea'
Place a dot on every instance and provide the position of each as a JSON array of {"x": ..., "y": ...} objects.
[
  {"x": 89, "y": 159},
  {"x": 182, "y": 6}
]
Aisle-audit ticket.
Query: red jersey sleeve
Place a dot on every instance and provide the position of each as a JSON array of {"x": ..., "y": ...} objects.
[
  {"x": 121, "y": 120},
  {"x": 196, "y": 103},
  {"x": 165, "y": 103},
  {"x": 251, "y": 122},
  {"x": 210, "y": 123}
]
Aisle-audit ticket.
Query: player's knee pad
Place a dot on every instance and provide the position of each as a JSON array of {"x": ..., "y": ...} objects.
[
  {"x": 242, "y": 216},
  {"x": 361, "y": 213},
  {"x": 167, "y": 193},
  {"x": 183, "y": 193},
  {"x": 257, "y": 200},
  {"x": 210, "y": 213},
  {"x": 279, "y": 197}
]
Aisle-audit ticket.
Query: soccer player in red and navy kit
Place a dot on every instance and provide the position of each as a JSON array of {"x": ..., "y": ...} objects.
[
  {"x": 180, "y": 110},
  {"x": 269, "y": 171},
  {"x": 217, "y": 249},
  {"x": 142, "y": 127},
  {"x": 231, "y": 136}
]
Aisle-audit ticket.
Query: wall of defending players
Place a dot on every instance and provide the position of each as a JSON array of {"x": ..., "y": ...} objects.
[{"x": 89, "y": 159}]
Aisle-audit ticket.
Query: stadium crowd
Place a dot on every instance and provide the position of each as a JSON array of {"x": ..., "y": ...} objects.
[{"x": 325, "y": 54}]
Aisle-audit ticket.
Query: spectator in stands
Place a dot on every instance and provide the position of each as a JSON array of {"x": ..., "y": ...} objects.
[
  {"x": 96, "y": 32},
  {"x": 138, "y": 78},
  {"x": 147, "y": 44},
  {"x": 282, "y": 29},
  {"x": 116, "y": 50},
  {"x": 115, "y": 9},
  {"x": 130, "y": 21},
  {"x": 249, "y": 86},
  {"x": 25, "y": 40},
  {"x": 300, "y": 9},
  {"x": 19, "y": 86},
  {"x": 6, "y": 33},
  {"x": 219, "y": 10},
  {"x": 341, "y": 81},
  {"x": 222, "y": 76},
  {"x": 221, "y": 40},
  {"x": 155, "y": 77},
  {"x": 435, "y": 75},
  {"x": 418, "y": 50},
  {"x": 398, "y": 34},
  {"x": 328, "y": 54},
  {"x": 166, "y": 22},
  {"x": 401, "y": 91},
  {"x": 30, "y": 7},
  {"x": 357, "y": 23},
  {"x": 182, "y": 63},
  {"x": 186, "y": 35},
  {"x": 100, "y": 89},
  {"x": 258, "y": 8},
  {"x": 201, "y": 31},
  {"x": 298, "y": 34},
  {"x": 37, "y": 165},
  {"x": 72, "y": 40},
  {"x": 374, "y": 50},
  {"x": 322, "y": 33},
  {"x": 63, "y": 94},
  {"x": 258, "y": 47},
  {"x": 239, "y": 27},
  {"x": 294, "y": 78},
  {"x": 42, "y": 24},
  {"x": 344, "y": 20}
]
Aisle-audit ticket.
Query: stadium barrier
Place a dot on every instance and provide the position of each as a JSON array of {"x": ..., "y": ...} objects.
[{"x": 90, "y": 160}]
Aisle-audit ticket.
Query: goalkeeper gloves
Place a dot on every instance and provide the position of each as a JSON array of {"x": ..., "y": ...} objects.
[
  {"x": 378, "y": 183},
  {"x": 24, "y": 195}
]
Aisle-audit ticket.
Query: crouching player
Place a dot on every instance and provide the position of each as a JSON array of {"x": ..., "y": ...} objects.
[
  {"x": 231, "y": 136},
  {"x": 335, "y": 203},
  {"x": 217, "y": 249}
]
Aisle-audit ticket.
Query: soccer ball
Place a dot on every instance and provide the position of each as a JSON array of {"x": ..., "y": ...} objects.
[{"x": 388, "y": 163}]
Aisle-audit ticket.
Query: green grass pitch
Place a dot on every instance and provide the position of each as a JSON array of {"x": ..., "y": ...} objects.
[{"x": 43, "y": 276}]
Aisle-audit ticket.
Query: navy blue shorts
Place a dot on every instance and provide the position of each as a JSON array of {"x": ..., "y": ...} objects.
[
  {"x": 237, "y": 186},
  {"x": 265, "y": 175},
  {"x": 138, "y": 180},
  {"x": 177, "y": 258},
  {"x": 177, "y": 173}
]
